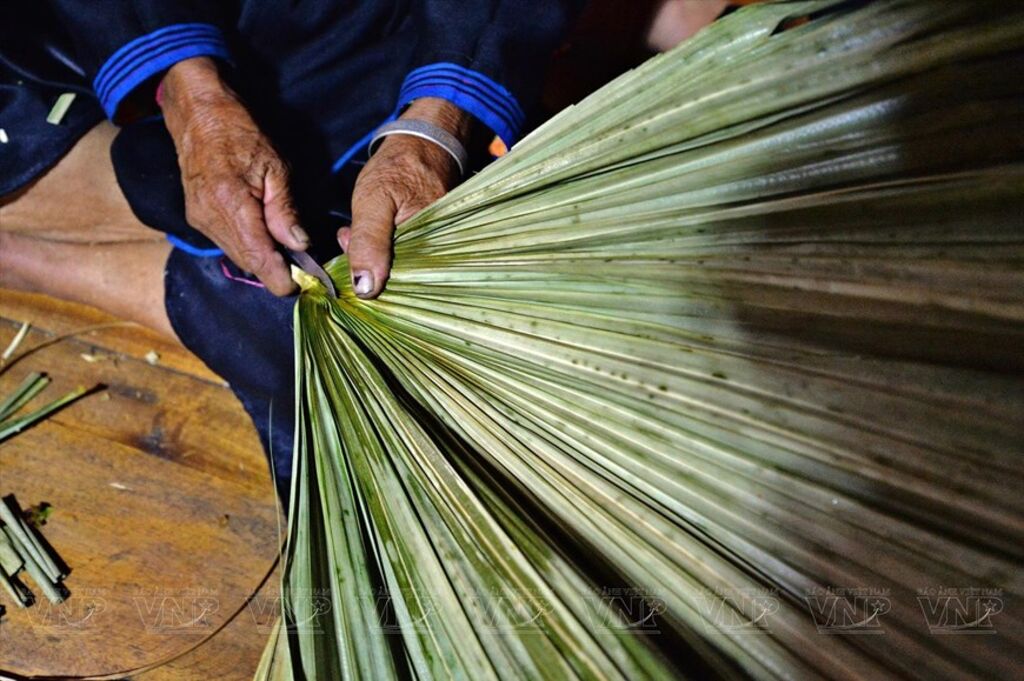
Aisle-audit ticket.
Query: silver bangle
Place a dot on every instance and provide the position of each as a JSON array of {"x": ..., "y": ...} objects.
[{"x": 427, "y": 131}]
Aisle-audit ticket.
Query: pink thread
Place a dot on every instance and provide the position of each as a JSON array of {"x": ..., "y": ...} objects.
[{"x": 227, "y": 273}]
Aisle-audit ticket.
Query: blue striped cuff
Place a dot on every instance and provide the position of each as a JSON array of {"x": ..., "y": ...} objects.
[
  {"x": 470, "y": 91},
  {"x": 152, "y": 53},
  {"x": 198, "y": 252}
]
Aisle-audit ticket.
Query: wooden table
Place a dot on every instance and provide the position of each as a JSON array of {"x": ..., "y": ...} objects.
[{"x": 162, "y": 503}]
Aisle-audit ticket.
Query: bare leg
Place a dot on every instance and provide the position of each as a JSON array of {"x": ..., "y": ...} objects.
[
  {"x": 124, "y": 279},
  {"x": 72, "y": 235}
]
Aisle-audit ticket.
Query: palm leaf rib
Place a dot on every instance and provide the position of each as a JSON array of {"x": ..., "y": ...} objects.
[{"x": 737, "y": 332}]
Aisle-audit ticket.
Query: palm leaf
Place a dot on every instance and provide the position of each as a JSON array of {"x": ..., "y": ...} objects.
[
  {"x": 739, "y": 330},
  {"x": 32, "y": 385}
]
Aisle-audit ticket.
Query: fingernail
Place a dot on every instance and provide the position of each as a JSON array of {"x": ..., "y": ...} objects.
[
  {"x": 299, "y": 234},
  {"x": 362, "y": 282}
]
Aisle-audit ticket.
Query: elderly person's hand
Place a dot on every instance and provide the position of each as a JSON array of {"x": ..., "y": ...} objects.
[
  {"x": 236, "y": 185},
  {"x": 405, "y": 175}
]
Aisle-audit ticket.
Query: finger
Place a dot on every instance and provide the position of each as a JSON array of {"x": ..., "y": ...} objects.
[
  {"x": 369, "y": 243},
  {"x": 344, "y": 234},
  {"x": 279, "y": 211},
  {"x": 250, "y": 246}
]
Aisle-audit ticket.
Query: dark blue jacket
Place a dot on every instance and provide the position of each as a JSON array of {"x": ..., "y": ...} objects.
[{"x": 319, "y": 76}]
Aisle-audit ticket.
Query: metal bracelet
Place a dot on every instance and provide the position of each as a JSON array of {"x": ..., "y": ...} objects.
[{"x": 427, "y": 131}]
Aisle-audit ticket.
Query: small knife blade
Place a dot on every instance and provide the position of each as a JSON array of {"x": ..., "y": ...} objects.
[{"x": 306, "y": 262}]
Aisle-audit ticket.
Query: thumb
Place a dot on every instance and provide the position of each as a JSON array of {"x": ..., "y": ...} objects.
[{"x": 369, "y": 243}]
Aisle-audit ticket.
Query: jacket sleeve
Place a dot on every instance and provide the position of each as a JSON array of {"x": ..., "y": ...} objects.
[
  {"x": 488, "y": 57},
  {"x": 123, "y": 44}
]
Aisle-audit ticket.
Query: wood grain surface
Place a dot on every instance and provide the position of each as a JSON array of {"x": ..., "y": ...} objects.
[{"x": 163, "y": 507}]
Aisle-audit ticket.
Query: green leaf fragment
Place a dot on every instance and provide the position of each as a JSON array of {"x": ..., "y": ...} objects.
[
  {"x": 738, "y": 329},
  {"x": 60, "y": 108}
]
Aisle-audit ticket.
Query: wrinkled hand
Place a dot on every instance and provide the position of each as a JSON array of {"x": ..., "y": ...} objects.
[
  {"x": 405, "y": 175},
  {"x": 236, "y": 186}
]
